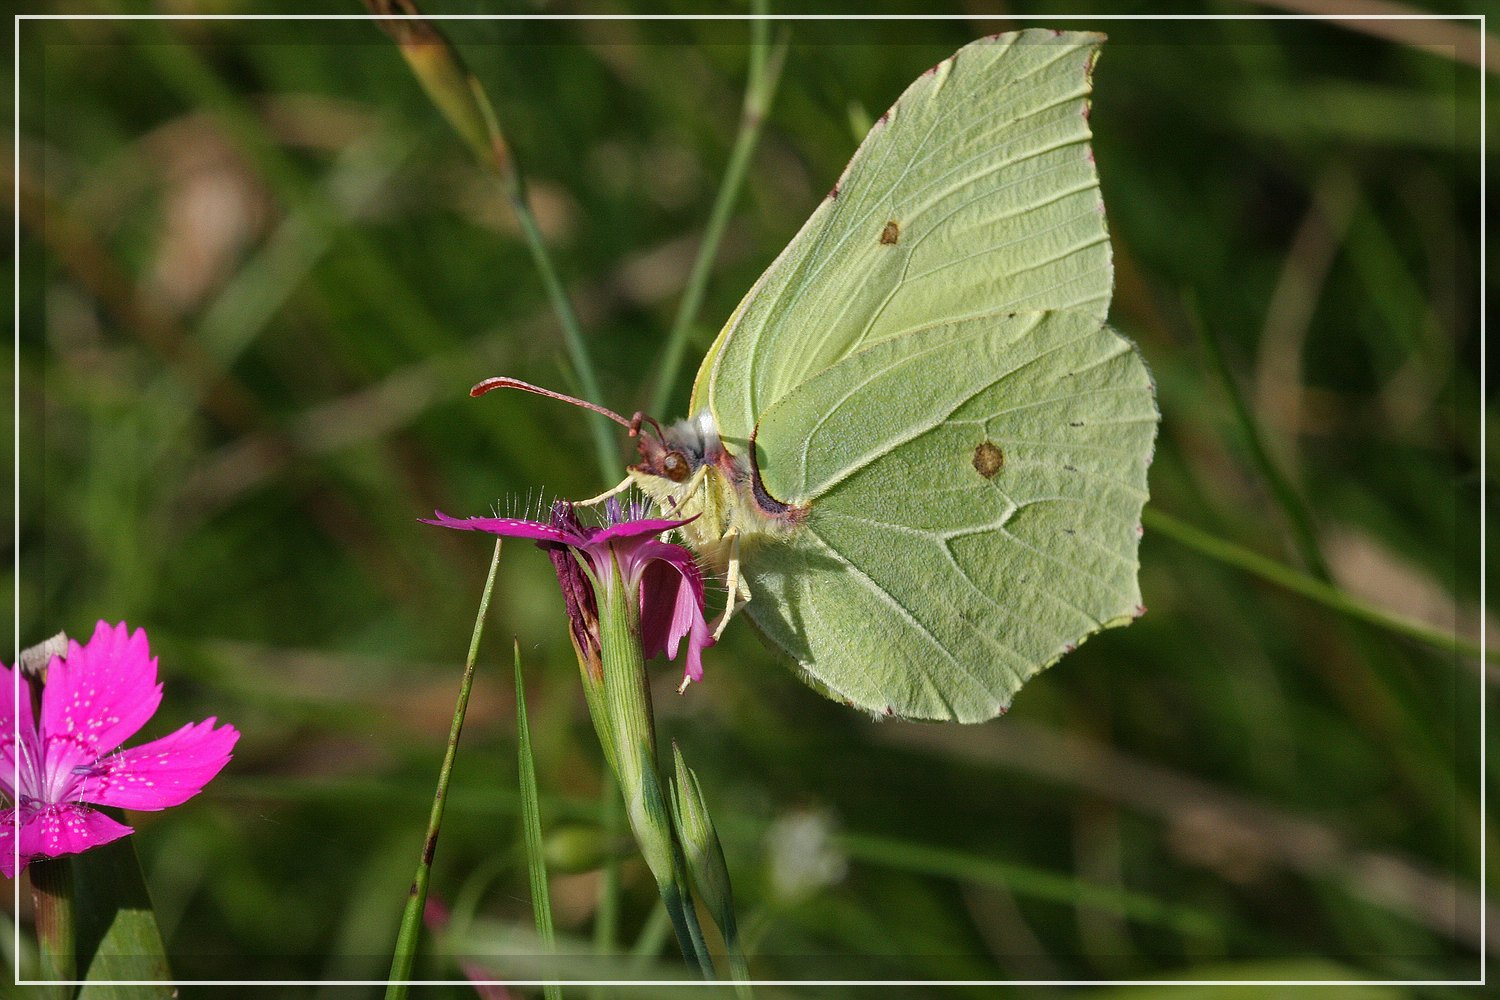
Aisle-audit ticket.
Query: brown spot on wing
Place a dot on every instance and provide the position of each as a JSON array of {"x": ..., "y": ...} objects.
[{"x": 988, "y": 459}]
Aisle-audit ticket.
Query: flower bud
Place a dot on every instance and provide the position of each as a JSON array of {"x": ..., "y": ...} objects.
[
  {"x": 448, "y": 83},
  {"x": 703, "y": 853}
]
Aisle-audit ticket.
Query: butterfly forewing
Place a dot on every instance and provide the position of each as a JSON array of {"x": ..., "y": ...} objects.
[{"x": 976, "y": 192}]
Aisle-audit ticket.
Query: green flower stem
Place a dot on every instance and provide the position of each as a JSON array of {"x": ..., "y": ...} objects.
[
  {"x": 760, "y": 89},
  {"x": 411, "y": 919},
  {"x": 591, "y": 673},
  {"x": 1301, "y": 583},
  {"x": 690, "y": 912},
  {"x": 461, "y": 99},
  {"x": 629, "y": 724},
  {"x": 611, "y": 819},
  {"x": 52, "y": 898},
  {"x": 606, "y": 920}
]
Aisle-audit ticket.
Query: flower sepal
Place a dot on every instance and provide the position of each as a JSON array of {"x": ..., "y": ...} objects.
[{"x": 702, "y": 851}]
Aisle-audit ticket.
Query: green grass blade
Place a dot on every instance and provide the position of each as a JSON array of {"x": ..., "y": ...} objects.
[
  {"x": 1025, "y": 880},
  {"x": 1300, "y": 583},
  {"x": 411, "y": 918},
  {"x": 118, "y": 938},
  {"x": 531, "y": 820},
  {"x": 760, "y": 89},
  {"x": 606, "y": 450},
  {"x": 461, "y": 99},
  {"x": 1299, "y": 518}
]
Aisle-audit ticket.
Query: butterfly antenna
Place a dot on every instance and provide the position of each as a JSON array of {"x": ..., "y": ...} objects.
[
  {"x": 643, "y": 418},
  {"x": 503, "y": 382}
]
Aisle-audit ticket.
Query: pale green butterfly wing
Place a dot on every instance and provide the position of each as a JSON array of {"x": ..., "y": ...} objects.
[
  {"x": 975, "y": 192},
  {"x": 948, "y": 295},
  {"x": 975, "y": 496}
]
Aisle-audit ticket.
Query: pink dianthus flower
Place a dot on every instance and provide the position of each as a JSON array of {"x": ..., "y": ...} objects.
[{"x": 52, "y": 770}]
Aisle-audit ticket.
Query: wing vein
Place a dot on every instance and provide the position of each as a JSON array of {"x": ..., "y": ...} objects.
[
  {"x": 927, "y": 427},
  {"x": 886, "y": 597}
]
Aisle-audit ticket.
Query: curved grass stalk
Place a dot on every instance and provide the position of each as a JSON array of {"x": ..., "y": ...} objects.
[
  {"x": 1397, "y": 691},
  {"x": 1310, "y": 587},
  {"x": 1027, "y": 880},
  {"x": 411, "y": 918},
  {"x": 458, "y": 94},
  {"x": 1298, "y": 516},
  {"x": 760, "y": 89}
]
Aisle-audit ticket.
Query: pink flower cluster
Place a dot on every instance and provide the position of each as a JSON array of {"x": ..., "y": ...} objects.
[{"x": 52, "y": 769}]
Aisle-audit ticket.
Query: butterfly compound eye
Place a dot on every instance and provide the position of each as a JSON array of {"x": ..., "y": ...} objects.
[{"x": 674, "y": 466}]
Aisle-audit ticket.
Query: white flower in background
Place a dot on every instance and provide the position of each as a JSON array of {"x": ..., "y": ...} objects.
[{"x": 802, "y": 856}]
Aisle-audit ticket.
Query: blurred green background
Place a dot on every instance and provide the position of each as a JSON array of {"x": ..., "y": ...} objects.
[{"x": 259, "y": 273}]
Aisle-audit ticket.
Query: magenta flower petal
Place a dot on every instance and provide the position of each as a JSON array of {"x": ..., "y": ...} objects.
[
  {"x": 98, "y": 697},
  {"x": 648, "y": 528},
  {"x": 509, "y": 527},
  {"x": 677, "y": 557},
  {"x": 672, "y": 607},
  {"x": 8, "y": 843},
  {"x": 66, "y": 828},
  {"x": 68, "y": 759},
  {"x": 663, "y": 574},
  {"x": 164, "y": 772},
  {"x": 12, "y": 759}
]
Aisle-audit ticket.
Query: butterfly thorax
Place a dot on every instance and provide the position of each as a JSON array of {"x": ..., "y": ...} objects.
[{"x": 688, "y": 472}]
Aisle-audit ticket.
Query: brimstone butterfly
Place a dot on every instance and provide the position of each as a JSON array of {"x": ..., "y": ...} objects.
[{"x": 917, "y": 452}]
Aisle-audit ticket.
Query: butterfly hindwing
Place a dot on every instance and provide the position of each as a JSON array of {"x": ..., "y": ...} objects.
[{"x": 973, "y": 493}]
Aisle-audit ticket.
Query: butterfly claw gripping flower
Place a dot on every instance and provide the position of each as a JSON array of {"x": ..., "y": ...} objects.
[{"x": 94, "y": 699}]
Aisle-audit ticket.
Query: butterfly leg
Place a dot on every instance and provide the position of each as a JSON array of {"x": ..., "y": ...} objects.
[
  {"x": 612, "y": 491},
  {"x": 739, "y": 590}
]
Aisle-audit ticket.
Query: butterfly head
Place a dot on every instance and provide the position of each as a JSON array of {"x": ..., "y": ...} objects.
[
  {"x": 687, "y": 472},
  {"x": 678, "y": 451}
]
